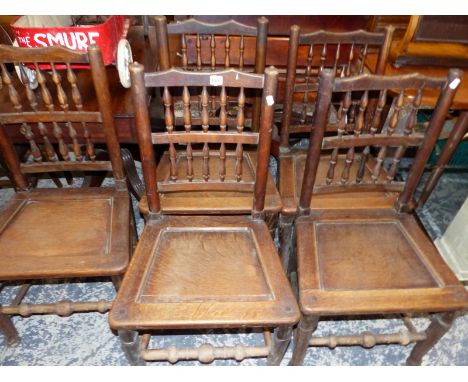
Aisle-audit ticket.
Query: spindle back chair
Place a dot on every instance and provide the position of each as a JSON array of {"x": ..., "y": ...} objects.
[
  {"x": 71, "y": 232},
  {"x": 214, "y": 46},
  {"x": 207, "y": 106},
  {"x": 376, "y": 260},
  {"x": 345, "y": 53},
  {"x": 204, "y": 272}
]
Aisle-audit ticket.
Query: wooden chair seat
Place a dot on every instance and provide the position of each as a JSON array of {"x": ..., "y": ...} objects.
[
  {"x": 181, "y": 277},
  {"x": 291, "y": 172},
  {"x": 53, "y": 233},
  {"x": 212, "y": 202},
  {"x": 362, "y": 262}
]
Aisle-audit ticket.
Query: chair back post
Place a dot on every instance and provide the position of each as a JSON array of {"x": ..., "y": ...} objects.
[
  {"x": 163, "y": 42},
  {"x": 289, "y": 87},
  {"x": 12, "y": 161},
  {"x": 455, "y": 137},
  {"x": 405, "y": 201},
  {"x": 264, "y": 144},
  {"x": 325, "y": 90},
  {"x": 143, "y": 128},
  {"x": 101, "y": 87},
  {"x": 260, "y": 62},
  {"x": 385, "y": 50}
]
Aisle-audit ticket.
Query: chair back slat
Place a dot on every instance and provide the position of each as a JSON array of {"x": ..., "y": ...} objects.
[
  {"x": 379, "y": 151},
  {"x": 44, "y": 78}
]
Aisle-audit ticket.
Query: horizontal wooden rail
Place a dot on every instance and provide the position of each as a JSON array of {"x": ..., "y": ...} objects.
[
  {"x": 205, "y": 353},
  {"x": 200, "y": 137},
  {"x": 33, "y": 168},
  {"x": 362, "y": 140},
  {"x": 339, "y": 188},
  {"x": 368, "y": 339},
  {"x": 200, "y": 185},
  {"x": 52, "y": 116},
  {"x": 62, "y": 308}
]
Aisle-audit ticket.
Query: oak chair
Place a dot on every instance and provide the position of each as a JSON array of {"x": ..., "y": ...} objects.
[
  {"x": 61, "y": 233},
  {"x": 372, "y": 261},
  {"x": 203, "y": 272},
  {"x": 205, "y": 109},
  {"x": 213, "y": 46},
  {"x": 345, "y": 54}
]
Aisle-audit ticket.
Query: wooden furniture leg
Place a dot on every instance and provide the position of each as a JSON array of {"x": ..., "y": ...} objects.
[
  {"x": 440, "y": 325},
  {"x": 305, "y": 328},
  {"x": 8, "y": 329},
  {"x": 455, "y": 137},
  {"x": 281, "y": 338},
  {"x": 285, "y": 233},
  {"x": 130, "y": 341}
]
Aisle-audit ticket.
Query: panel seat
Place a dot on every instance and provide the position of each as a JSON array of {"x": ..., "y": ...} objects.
[
  {"x": 362, "y": 262},
  {"x": 181, "y": 277},
  {"x": 53, "y": 233}
]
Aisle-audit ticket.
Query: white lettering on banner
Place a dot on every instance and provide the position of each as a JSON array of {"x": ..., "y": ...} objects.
[
  {"x": 72, "y": 40},
  {"x": 91, "y": 37},
  {"x": 68, "y": 44},
  {"x": 55, "y": 40},
  {"x": 37, "y": 36}
]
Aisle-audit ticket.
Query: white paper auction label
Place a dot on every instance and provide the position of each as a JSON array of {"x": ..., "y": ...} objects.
[{"x": 216, "y": 80}]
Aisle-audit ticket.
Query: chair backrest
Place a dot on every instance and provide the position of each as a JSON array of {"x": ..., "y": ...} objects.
[
  {"x": 378, "y": 151},
  {"x": 213, "y": 46},
  {"x": 344, "y": 52},
  {"x": 205, "y": 132},
  {"x": 46, "y": 106},
  {"x": 216, "y": 46}
]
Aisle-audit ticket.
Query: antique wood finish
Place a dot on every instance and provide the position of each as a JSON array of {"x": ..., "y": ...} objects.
[
  {"x": 204, "y": 271},
  {"x": 433, "y": 40},
  {"x": 217, "y": 170},
  {"x": 345, "y": 53},
  {"x": 385, "y": 262},
  {"x": 213, "y": 46},
  {"x": 73, "y": 232}
]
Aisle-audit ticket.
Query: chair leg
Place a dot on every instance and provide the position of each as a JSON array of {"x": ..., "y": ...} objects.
[
  {"x": 117, "y": 280},
  {"x": 285, "y": 233},
  {"x": 8, "y": 329},
  {"x": 281, "y": 338},
  {"x": 130, "y": 341},
  {"x": 440, "y": 325},
  {"x": 304, "y": 331}
]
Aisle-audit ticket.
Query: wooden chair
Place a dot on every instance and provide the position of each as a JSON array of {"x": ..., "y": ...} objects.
[
  {"x": 214, "y": 46},
  {"x": 372, "y": 261},
  {"x": 205, "y": 109},
  {"x": 202, "y": 272},
  {"x": 65, "y": 232},
  {"x": 345, "y": 53}
]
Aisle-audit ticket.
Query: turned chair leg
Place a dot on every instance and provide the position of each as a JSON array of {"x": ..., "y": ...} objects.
[
  {"x": 440, "y": 325},
  {"x": 8, "y": 329},
  {"x": 281, "y": 338},
  {"x": 285, "y": 233},
  {"x": 305, "y": 328},
  {"x": 130, "y": 341}
]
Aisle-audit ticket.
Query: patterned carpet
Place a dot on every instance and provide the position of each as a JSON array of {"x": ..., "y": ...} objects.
[{"x": 86, "y": 339}]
